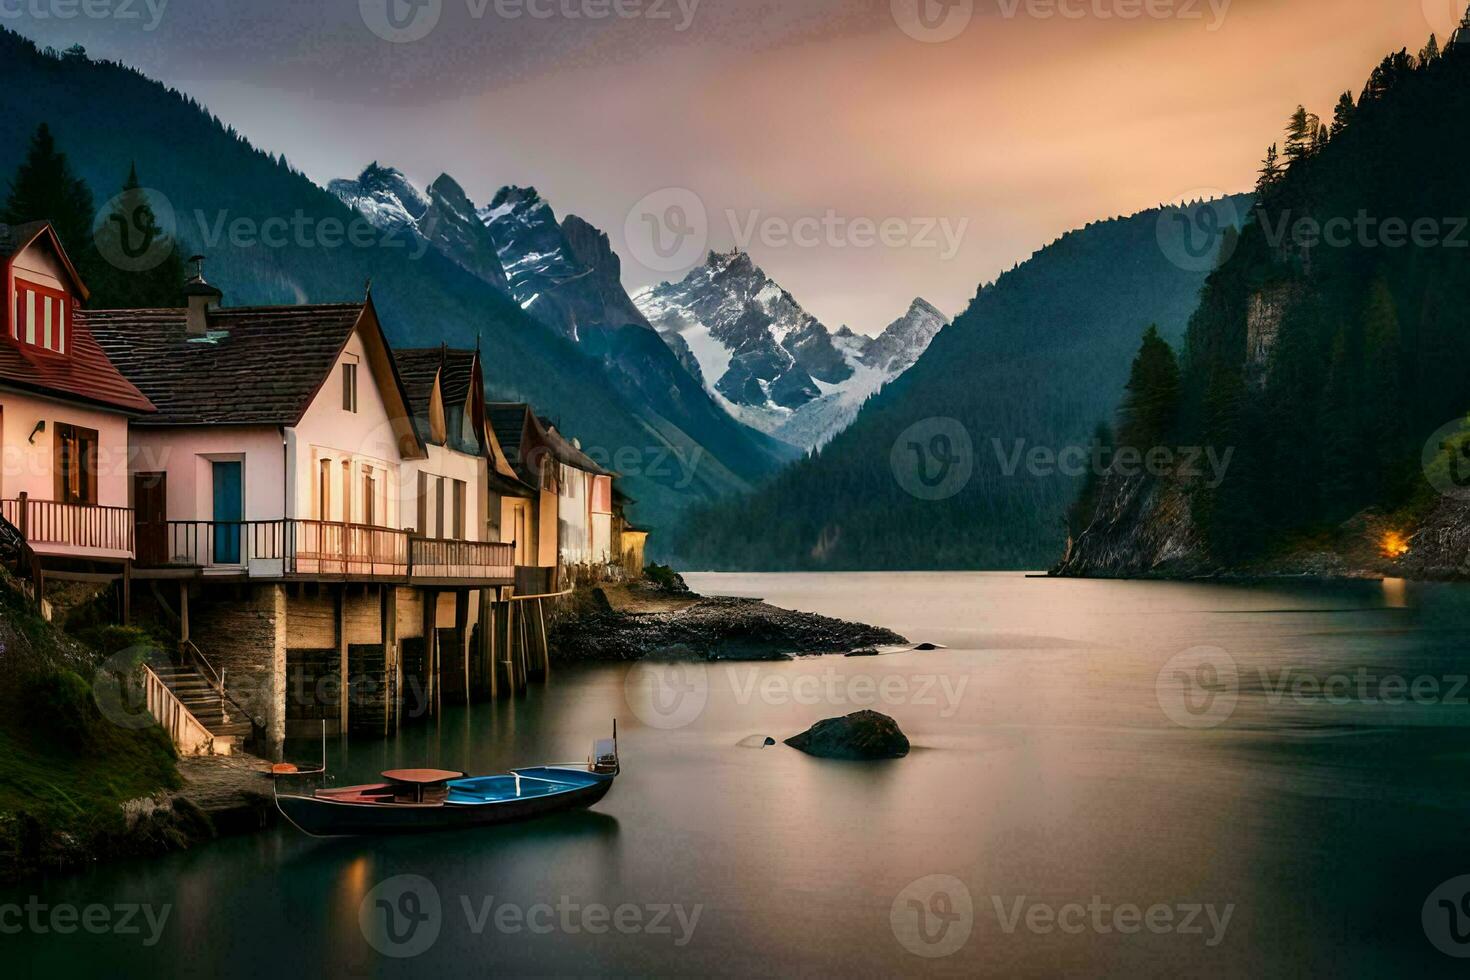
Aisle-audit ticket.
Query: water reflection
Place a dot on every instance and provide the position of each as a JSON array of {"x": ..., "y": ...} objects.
[{"x": 1325, "y": 817}]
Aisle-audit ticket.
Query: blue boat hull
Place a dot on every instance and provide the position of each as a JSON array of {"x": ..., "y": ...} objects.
[{"x": 477, "y": 802}]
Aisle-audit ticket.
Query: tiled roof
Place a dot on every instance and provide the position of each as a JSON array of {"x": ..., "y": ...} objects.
[
  {"x": 256, "y": 366},
  {"x": 83, "y": 373}
]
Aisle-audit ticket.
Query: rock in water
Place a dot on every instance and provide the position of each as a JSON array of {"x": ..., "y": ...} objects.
[
  {"x": 865, "y": 652},
  {"x": 756, "y": 741},
  {"x": 860, "y": 735}
]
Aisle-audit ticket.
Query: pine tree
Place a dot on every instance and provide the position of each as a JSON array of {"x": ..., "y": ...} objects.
[
  {"x": 158, "y": 281},
  {"x": 1429, "y": 54},
  {"x": 1383, "y": 404},
  {"x": 1270, "y": 173},
  {"x": 1301, "y": 131},
  {"x": 45, "y": 189},
  {"x": 1151, "y": 398},
  {"x": 1342, "y": 114},
  {"x": 1342, "y": 459}
]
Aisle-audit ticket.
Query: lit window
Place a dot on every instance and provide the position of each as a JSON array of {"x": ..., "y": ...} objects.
[{"x": 41, "y": 316}]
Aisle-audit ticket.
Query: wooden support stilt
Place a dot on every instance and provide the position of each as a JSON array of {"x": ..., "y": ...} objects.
[
  {"x": 510, "y": 649},
  {"x": 388, "y": 636},
  {"x": 344, "y": 680},
  {"x": 431, "y": 643},
  {"x": 462, "y": 632},
  {"x": 545, "y": 646},
  {"x": 183, "y": 612},
  {"x": 125, "y": 591}
]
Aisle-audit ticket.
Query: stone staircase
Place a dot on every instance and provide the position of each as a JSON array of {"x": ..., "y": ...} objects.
[{"x": 227, "y": 723}]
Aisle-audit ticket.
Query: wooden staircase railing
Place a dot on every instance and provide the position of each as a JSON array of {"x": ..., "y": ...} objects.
[{"x": 189, "y": 736}]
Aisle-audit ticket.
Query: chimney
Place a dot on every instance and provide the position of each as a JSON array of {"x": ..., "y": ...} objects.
[{"x": 202, "y": 298}]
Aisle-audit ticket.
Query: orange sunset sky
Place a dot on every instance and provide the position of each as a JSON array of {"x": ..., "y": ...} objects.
[{"x": 1020, "y": 127}]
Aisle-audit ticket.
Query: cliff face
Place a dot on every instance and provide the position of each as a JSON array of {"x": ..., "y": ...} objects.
[{"x": 1142, "y": 527}]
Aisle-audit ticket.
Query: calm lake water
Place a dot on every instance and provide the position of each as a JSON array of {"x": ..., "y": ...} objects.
[{"x": 1130, "y": 778}]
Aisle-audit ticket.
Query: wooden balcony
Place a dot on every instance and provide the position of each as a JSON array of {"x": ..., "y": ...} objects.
[
  {"x": 79, "y": 530},
  {"x": 304, "y": 549}
]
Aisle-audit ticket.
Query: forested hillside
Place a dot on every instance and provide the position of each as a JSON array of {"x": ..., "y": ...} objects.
[
  {"x": 1332, "y": 344},
  {"x": 1038, "y": 358}
]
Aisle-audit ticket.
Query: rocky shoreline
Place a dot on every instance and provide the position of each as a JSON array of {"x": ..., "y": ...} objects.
[{"x": 626, "y": 623}]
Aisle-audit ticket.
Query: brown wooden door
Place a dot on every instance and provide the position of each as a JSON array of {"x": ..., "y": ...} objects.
[{"x": 150, "y": 507}]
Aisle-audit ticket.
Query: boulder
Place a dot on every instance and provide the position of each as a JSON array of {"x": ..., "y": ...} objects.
[
  {"x": 860, "y": 735},
  {"x": 866, "y": 652}
]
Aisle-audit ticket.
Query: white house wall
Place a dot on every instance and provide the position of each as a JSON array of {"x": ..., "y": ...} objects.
[
  {"x": 363, "y": 438},
  {"x": 29, "y": 467}
]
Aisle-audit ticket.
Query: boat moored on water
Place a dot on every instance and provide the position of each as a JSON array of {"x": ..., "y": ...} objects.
[{"x": 420, "y": 800}]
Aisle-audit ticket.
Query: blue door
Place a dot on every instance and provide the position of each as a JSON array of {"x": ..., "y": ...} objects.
[{"x": 229, "y": 510}]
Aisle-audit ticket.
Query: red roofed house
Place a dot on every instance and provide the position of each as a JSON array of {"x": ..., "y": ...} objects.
[{"x": 64, "y": 414}]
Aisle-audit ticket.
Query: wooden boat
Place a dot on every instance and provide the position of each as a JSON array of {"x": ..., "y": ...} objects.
[{"x": 419, "y": 800}]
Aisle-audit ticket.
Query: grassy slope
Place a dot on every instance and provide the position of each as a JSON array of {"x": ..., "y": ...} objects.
[{"x": 64, "y": 769}]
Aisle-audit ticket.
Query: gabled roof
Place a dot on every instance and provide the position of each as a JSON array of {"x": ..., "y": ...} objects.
[
  {"x": 14, "y": 238},
  {"x": 521, "y": 433},
  {"x": 419, "y": 369},
  {"x": 256, "y": 366},
  {"x": 83, "y": 373},
  {"x": 508, "y": 422}
]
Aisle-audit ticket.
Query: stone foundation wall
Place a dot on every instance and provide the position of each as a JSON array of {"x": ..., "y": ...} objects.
[{"x": 241, "y": 630}]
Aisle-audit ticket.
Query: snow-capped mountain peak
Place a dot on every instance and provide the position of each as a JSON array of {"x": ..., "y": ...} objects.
[
  {"x": 384, "y": 195},
  {"x": 770, "y": 362}
]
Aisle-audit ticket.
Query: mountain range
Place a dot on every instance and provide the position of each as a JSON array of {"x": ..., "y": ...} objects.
[
  {"x": 768, "y": 361},
  {"x": 937, "y": 470},
  {"x": 106, "y": 116}
]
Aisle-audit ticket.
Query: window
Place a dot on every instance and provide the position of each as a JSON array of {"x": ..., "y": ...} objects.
[
  {"x": 369, "y": 497},
  {"x": 324, "y": 491},
  {"x": 439, "y": 507},
  {"x": 459, "y": 509},
  {"x": 423, "y": 503},
  {"x": 349, "y": 387},
  {"x": 346, "y": 491},
  {"x": 42, "y": 316},
  {"x": 76, "y": 464}
]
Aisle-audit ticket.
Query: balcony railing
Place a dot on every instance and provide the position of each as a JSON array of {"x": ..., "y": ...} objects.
[
  {"x": 318, "y": 548},
  {"x": 47, "y": 525},
  {"x": 443, "y": 558}
]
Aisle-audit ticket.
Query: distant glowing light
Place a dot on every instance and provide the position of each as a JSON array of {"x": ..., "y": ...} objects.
[{"x": 1393, "y": 544}]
